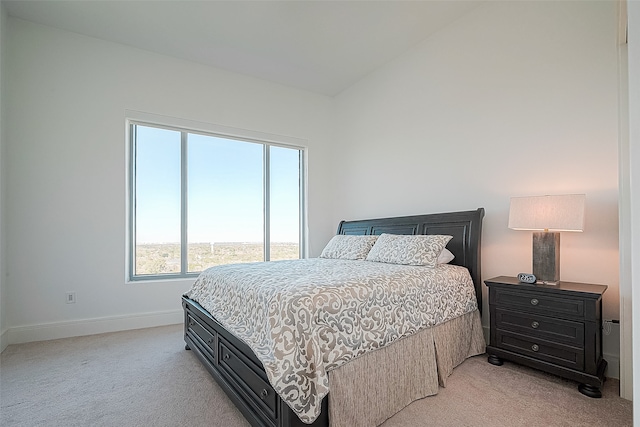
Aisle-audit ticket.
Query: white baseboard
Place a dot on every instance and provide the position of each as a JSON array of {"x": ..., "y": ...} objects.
[
  {"x": 76, "y": 328},
  {"x": 4, "y": 340},
  {"x": 613, "y": 365},
  {"x": 611, "y": 348}
]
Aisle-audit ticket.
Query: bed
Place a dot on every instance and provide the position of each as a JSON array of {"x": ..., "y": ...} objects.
[{"x": 367, "y": 386}]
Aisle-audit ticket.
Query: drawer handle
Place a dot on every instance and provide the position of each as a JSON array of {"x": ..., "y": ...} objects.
[
  {"x": 191, "y": 322},
  {"x": 226, "y": 356},
  {"x": 264, "y": 393},
  {"x": 535, "y": 347},
  {"x": 535, "y": 324},
  {"x": 534, "y": 301},
  {"x": 210, "y": 341}
]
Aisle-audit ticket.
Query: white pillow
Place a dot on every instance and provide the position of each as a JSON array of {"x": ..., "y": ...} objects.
[
  {"x": 344, "y": 246},
  {"x": 445, "y": 256},
  {"x": 408, "y": 249}
]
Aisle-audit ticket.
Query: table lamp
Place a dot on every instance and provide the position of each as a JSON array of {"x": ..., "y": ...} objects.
[{"x": 547, "y": 216}]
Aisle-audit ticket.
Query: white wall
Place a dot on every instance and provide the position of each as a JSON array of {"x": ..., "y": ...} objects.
[
  {"x": 634, "y": 191},
  {"x": 66, "y": 171},
  {"x": 625, "y": 226},
  {"x": 4, "y": 341},
  {"x": 514, "y": 99}
]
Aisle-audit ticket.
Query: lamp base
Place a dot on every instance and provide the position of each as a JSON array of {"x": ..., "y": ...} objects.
[{"x": 546, "y": 257}]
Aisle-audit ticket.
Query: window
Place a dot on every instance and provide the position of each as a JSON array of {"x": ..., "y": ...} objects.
[{"x": 203, "y": 199}]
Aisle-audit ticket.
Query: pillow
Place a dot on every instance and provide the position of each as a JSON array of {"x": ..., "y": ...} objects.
[
  {"x": 344, "y": 246},
  {"x": 445, "y": 256},
  {"x": 408, "y": 249}
]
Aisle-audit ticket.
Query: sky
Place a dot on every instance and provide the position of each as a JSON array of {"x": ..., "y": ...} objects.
[{"x": 225, "y": 189}]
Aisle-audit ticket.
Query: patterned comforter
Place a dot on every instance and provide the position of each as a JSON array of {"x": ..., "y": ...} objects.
[{"x": 303, "y": 318}]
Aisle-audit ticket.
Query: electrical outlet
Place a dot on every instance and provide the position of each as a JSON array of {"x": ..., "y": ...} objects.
[{"x": 71, "y": 297}]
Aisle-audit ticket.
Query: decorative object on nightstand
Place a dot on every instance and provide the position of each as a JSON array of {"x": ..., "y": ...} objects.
[
  {"x": 547, "y": 216},
  {"x": 527, "y": 278},
  {"x": 554, "y": 328}
]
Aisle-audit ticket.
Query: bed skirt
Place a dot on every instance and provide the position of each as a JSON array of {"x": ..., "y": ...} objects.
[{"x": 372, "y": 388}]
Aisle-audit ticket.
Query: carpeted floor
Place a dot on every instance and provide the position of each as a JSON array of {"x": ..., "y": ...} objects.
[{"x": 146, "y": 378}]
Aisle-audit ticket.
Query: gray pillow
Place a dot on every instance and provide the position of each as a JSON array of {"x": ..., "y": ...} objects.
[
  {"x": 344, "y": 246},
  {"x": 408, "y": 249}
]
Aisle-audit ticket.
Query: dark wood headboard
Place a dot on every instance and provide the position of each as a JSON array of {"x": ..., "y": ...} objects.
[{"x": 465, "y": 227}]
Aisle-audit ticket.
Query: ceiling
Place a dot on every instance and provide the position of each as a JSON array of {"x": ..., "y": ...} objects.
[{"x": 319, "y": 46}]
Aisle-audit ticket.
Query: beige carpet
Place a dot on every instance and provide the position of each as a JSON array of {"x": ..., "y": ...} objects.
[{"x": 146, "y": 378}]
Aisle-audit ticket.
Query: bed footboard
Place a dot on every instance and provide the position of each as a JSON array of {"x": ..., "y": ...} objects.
[{"x": 237, "y": 370}]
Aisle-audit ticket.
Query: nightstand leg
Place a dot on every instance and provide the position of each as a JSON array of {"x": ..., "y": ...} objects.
[
  {"x": 186, "y": 347},
  {"x": 589, "y": 390},
  {"x": 494, "y": 360}
]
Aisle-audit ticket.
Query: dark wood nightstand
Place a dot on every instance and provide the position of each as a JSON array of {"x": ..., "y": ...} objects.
[{"x": 554, "y": 328}]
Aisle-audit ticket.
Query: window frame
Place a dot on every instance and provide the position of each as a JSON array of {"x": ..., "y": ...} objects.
[{"x": 186, "y": 127}]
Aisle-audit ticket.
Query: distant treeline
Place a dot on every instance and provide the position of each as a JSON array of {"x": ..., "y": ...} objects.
[{"x": 159, "y": 258}]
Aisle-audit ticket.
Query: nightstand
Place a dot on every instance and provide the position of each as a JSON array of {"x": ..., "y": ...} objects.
[{"x": 554, "y": 328}]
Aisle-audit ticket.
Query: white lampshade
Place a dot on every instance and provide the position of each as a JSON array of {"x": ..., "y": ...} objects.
[{"x": 548, "y": 213}]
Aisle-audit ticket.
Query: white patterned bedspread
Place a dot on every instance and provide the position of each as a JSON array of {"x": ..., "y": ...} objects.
[{"x": 305, "y": 317}]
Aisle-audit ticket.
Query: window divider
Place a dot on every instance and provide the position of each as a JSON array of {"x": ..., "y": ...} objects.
[
  {"x": 302, "y": 194},
  {"x": 184, "y": 239},
  {"x": 132, "y": 201},
  {"x": 266, "y": 201}
]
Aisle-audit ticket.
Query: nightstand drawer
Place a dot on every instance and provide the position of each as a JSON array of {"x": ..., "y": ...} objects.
[
  {"x": 538, "y": 326},
  {"x": 558, "y": 354},
  {"x": 537, "y": 302}
]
